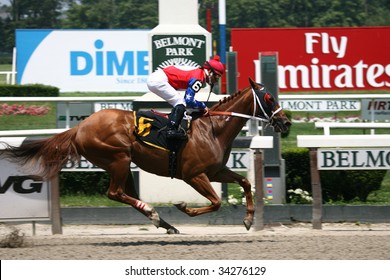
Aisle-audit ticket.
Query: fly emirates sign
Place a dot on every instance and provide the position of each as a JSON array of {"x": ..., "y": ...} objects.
[{"x": 318, "y": 59}]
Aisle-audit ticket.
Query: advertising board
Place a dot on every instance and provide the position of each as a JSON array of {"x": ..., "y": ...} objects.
[
  {"x": 178, "y": 49},
  {"x": 318, "y": 59},
  {"x": 353, "y": 159},
  {"x": 83, "y": 60},
  {"x": 378, "y": 109},
  {"x": 22, "y": 197}
]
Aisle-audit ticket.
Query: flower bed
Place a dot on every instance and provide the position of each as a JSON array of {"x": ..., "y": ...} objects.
[{"x": 23, "y": 109}]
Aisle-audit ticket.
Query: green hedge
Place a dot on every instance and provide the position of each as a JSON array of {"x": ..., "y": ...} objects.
[
  {"x": 33, "y": 90},
  {"x": 343, "y": 185},
  {"x": 86, "y": 183}
]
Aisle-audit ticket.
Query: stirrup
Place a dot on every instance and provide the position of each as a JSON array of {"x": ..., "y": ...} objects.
[{"x": 178, "y": 134}]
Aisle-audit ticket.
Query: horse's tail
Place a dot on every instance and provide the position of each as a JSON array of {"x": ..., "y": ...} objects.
[{"x": 44, "y": 157}]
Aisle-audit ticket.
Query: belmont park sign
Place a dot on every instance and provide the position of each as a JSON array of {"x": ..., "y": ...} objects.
[
  {"x": 355, "y": 159},
  {"x": 178, "y": 49}
]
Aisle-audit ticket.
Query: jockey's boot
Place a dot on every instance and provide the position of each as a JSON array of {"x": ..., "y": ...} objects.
[{"x": 174, "y": 132}]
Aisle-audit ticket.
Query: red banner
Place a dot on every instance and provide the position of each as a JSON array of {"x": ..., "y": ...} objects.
[{"x": 318, "y": 59}]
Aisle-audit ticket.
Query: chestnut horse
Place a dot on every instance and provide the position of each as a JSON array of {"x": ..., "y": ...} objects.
[{"x": 107, "y": 139}]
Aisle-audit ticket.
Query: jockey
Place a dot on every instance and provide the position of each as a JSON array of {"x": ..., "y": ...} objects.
[{"x": 165, "y": 83}]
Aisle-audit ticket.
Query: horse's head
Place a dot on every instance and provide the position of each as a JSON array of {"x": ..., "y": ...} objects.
[{"x": 269, "y": 108}]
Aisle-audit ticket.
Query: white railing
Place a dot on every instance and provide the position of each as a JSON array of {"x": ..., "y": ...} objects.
[
  {"x": 332, "y": 96},
  {"x": 9, "y": 77},
  {"x": 31, "y": 132},
  {"x": 326, "y": 126},
  {"x": 340, "y": 141}
]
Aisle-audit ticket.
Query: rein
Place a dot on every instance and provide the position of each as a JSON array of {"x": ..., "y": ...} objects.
[{"x": 253, "y": 117}]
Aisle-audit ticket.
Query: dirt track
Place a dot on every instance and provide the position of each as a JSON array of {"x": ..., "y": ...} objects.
[{"x": 298, "y": 241}]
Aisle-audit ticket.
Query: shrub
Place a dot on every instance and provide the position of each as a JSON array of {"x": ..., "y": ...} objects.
[
  {"x": 34, "y": 90},
  {"x": 87, "y": 183},
  {"x": 297, "y": 169},
  {"x": 348, "y": 185}
]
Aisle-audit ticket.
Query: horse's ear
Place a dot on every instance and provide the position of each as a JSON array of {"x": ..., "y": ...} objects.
[{"x": 253, "y": 83}]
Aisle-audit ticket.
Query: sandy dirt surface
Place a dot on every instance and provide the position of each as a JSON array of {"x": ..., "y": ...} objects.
[{"x": 275, "y": 242}]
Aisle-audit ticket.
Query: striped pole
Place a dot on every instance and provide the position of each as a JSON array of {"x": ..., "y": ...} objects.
[{"x": 222, "y": 30}]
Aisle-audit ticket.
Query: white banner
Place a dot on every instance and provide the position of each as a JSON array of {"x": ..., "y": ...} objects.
[
  {"x": 353, "y": 159},
  {"x": 194, "y": 269},
  {"x": 22, "y": 197},
  {"x": 84, "y": 60}
]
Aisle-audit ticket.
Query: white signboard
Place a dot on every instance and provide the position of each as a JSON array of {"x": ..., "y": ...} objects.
[
  {"x": 376, "y": 109},
  {"x": 353, "y": 159},
  {"x": 321, "y": 105},
  {"x": 84, "y": 60},
  {"x": 22, "y": 197},
  {"x": 238, "y": 161},
  {"x": 128, "y": 106}
]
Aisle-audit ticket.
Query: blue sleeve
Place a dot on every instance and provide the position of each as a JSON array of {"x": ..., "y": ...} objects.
[{"x": 194, "y": 86}]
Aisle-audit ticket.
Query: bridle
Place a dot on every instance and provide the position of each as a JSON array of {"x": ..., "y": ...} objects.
[{"x": 256, "y": 102}]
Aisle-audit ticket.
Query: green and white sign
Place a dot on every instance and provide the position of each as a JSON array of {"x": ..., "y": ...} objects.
[{"x": 178, "y": 49}]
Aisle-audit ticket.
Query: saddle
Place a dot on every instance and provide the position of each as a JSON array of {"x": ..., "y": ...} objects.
[{"x": 151, "y": 130}]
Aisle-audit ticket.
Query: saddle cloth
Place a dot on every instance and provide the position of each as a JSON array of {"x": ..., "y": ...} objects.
[{"x": 150, "y": 128}]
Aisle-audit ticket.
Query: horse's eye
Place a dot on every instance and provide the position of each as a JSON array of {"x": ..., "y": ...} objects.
[{"x": 268, "y": 98}]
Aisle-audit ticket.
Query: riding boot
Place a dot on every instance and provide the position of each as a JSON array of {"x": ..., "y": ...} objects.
[{"x": 174, "y": 122}]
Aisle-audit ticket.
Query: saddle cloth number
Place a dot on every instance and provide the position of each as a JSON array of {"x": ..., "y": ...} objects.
[{"x": 144, "y": 126}]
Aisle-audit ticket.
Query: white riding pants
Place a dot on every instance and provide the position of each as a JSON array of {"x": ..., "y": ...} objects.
[{"x": 158, "y": 84}]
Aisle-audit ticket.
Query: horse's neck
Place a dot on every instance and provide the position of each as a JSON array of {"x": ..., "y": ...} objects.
[{"x": 228, "y": 127}]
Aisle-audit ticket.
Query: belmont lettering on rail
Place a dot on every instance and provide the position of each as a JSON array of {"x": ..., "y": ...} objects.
[
  {"x": 321, "y": 105},
  {"x": 355, "y": 159}
]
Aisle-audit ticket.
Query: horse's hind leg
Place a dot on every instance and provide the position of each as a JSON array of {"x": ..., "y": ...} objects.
[
  {"x": 119, "y": 172},
  {"x": 131, "y": 191}
]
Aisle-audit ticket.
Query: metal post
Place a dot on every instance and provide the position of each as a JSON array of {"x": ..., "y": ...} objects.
[
  {"x": 316, "y": 189},
  {"x": 259, "y": 195},
  {"x": 34, "y": 228},
  {"x": 67, "y": 115},
  {"x": 56, "y": 226},
  {"x": 272, "y": 157},
  {"x": 13, "y": 74}
]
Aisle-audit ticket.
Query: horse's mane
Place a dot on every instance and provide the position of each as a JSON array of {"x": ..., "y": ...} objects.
[{"x": 220, "y": 105}]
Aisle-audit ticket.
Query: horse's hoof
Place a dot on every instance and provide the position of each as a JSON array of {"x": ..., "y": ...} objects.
[
  {"x": 247, "y": 224},
  {"x": 173, "y": 230},
  {"x": 181, "y": 205}
]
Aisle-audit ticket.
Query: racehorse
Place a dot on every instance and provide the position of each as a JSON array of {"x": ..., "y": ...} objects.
[{"x": 107, "y": 139}]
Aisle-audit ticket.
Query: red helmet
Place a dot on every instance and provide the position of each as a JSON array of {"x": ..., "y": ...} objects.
[{"x": 215, "y": 65}]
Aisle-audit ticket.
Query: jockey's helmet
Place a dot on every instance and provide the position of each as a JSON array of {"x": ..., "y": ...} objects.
[{"x": 214, "y": 65}]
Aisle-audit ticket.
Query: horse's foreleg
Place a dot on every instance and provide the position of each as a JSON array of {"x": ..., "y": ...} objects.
[
  {"x": 131, "y": 191},
  {"x": 228, "y": 176},
  {"x": 202, "y": 185}
]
